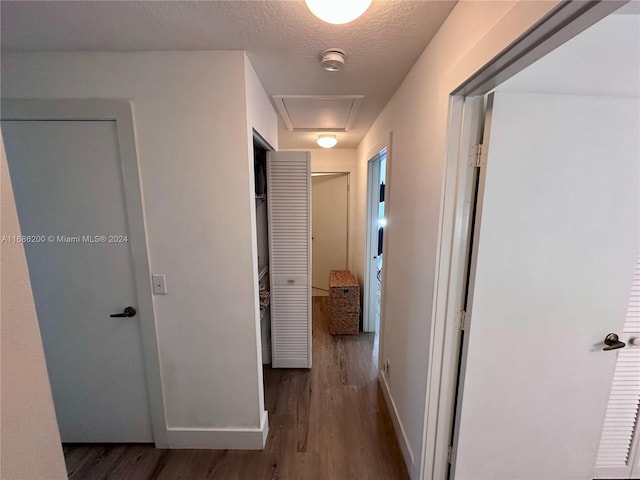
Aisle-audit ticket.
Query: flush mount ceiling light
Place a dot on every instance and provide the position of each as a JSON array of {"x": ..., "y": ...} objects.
[
  {"x": 327, "y": 141},
  {"x": 338, "y": 11}
]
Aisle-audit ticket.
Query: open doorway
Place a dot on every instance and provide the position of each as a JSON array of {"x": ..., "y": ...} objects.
[
  {"x": 567, "y": 251},
  {"x": 330, "y": 227},
  {"x": 260, "y": 149},
  {"x": 376, "y": 223}
]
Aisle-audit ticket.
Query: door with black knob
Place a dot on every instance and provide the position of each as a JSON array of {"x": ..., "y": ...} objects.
[
  {"x": 547, "y": 358},
  {"x": 68, "y": 183}
]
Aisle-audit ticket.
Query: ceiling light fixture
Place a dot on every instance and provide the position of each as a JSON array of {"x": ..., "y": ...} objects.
[
  {"x": 338, "y": 11},
  {"x": 327, "y": 141}
]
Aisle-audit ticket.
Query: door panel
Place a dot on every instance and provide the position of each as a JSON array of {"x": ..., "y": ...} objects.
[
  {"x": 556, "y": 239},
  {"x": 68, "y": 185},
  {"x": 329, "y": 213},
  {"x": 289, "y": 191}
]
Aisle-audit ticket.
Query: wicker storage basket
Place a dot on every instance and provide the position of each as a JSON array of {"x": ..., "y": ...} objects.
[
  {"x": 344, "y": 303},
  {"x": 344, "y": 323},
  {"x": 344, "y": 292}
]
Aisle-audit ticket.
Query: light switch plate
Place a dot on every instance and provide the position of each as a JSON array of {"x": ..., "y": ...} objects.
[{"x": 159, "y": 283}]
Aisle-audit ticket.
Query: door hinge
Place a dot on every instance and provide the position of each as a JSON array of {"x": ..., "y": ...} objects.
[
  {"x": 478, "y": 156},
  {"x": 450, "y": 454},
  {"x": 461, "y": 319}
]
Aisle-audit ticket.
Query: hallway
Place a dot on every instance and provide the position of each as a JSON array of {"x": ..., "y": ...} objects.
[{"x": 329, "y": 422}]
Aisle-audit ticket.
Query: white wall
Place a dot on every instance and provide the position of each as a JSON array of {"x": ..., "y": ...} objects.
[
  {"x": 30, "y": 439},
  {"x": 341, "y": 160},
  {"x": 192, "y": 112},
  {"x": 602, "y": 60},
  {"x": 260, "y": 112},
  {"x": 417, "y": 115}
]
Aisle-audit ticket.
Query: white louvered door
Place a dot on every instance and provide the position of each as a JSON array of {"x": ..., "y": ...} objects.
[
  {"x": 618, "y": 455},
  {"x": 289, "y": 204}
]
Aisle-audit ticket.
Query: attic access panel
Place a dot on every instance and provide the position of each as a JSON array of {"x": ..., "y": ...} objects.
[{"x": 318, "y": 113}]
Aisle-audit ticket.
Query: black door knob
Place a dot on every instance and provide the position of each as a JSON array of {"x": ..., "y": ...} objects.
[
  {"x": 128, "y": 312},
  {"x": 612, "y": 342}
]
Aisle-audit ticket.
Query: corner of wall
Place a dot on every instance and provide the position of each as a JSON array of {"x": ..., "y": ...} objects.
[
  {"x": 220, "y": 438},
  {"x": 261, "y": 115}
]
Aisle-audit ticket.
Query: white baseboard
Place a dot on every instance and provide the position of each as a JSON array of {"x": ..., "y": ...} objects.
[
  {"x": 264, "y": 427},
  {"x": 407, "y": 454},
  {"x": 220, "y": 438}
]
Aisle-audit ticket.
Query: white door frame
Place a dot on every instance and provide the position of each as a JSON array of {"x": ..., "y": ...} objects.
[
  {"x": 468, "y": 113},
  {"x": 348, "y": 239},
  {"x": 373, "y": 192},
  {"x": 368, "y": 322},
  {"x": 351, "y": 170},
  {"x": 560, "y": 24},
  {"x": 120, "y": 111}
]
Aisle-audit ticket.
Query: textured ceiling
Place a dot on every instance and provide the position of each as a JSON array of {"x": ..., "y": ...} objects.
[{"x": 282, "y": 38}]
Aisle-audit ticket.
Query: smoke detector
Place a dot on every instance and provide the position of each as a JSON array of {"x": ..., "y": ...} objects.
[{"x": 332, "y": 59}]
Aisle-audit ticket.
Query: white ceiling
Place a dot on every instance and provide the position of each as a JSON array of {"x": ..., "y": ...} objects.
[{"x": 282, "y": 38}]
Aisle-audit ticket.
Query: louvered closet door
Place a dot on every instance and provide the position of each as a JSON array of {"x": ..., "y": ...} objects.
[
  {"x": 289, "y": 201},
  {"x": 618, "y": 455}
]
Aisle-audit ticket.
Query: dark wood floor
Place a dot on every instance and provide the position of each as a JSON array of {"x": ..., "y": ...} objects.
[{"x": 329, "y": 422}]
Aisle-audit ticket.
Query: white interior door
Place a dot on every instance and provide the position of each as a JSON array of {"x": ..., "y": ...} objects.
[
  {"x": 68, "y": 185},
  {"x": 289, "y": 204},
  {"x": 330, "y": 196},
  {"x": 555, "y": 248}
]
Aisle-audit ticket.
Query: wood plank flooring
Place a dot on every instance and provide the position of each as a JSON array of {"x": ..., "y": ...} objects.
[{"x": 329, "y": 422}]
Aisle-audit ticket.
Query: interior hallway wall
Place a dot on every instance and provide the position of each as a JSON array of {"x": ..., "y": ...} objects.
[
  {"x": 417, "y": 115},
  {"x": 30, "y": 438},
  {"x": 193, "y": 112}
]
